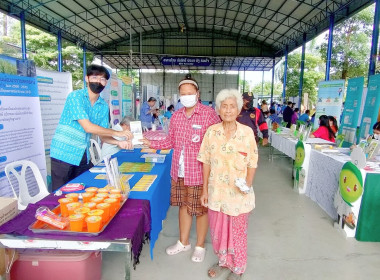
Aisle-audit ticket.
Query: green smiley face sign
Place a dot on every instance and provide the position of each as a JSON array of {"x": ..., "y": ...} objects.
[
  {"x": 350, "y": 183},
  {"x": 300, "y": 154}
]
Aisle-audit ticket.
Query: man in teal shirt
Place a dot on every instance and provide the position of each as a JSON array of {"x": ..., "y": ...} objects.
[{"x": 84, "y": 113}]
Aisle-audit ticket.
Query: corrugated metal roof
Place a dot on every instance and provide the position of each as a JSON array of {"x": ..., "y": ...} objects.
[{"x": 234, "y": 35}]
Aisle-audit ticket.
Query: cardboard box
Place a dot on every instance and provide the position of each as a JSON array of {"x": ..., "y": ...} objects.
[{"x": 8, "y": 210}]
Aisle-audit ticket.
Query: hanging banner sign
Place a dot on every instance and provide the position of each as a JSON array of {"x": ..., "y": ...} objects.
[
  {"x": 186, "y": 61},
  {"x": 371, "y": 106},
  {"x": 330, "y": 97},
  {"x": 21, "y": 135},
  {"x": 351, "y": 110}
]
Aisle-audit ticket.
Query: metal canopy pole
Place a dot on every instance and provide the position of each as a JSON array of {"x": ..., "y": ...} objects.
[
  {"x": 84, "y": 65},
  {"x": 285, "y": 75},
  {"x": 375, "y": 39},
  {"x": 244, "y": 80},
  {"x": 262, "y": 84},
  {"x": 23, "y": 35},
  {"x": 329, "y": 47},
  {"x": 302, "y": 71},
  {"x": 59, "y": 37},
  {"x": 271, "y": 91}
]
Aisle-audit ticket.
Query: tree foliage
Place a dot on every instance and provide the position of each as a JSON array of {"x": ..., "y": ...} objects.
[
  {"x": 313, "y": 73},
  {"x": 266, "y": 88},
  {"x": 351, "y": 46},
  {"x": 42, "y": 48}
]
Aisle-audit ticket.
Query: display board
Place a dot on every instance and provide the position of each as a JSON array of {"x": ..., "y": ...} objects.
[
  {"x": 351, "y": 111},
  {"x": 127, "y": 104},
  {"x": 371, "y": 106},
  {"x": 21, "y": 134},
  {"x": 53, "y": 88},
  {"x": 329, "y": 102}
]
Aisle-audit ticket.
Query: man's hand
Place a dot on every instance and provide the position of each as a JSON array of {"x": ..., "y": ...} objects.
[
  {"x": 125, "y": 145},
  {"x": 145, "y": 142},
  {"x": 265, "y": 141},
  {"x": 125, "y": 133}
]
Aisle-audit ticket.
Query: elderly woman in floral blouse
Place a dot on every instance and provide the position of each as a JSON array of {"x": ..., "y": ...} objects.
[{"x": 229, "y": 155}]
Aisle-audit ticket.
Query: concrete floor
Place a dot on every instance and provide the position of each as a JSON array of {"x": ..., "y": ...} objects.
[{"x": 289, "y": 237}]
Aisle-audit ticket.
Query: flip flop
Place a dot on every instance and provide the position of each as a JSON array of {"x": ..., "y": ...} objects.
[
  {"x": 217, "y": 269},
  {"x": 199, "y": 254}
]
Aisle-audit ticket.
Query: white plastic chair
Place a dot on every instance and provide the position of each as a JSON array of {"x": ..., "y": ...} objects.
[
  {"x": 95, "y": 152},
  {"x": 24, "y": 197}
]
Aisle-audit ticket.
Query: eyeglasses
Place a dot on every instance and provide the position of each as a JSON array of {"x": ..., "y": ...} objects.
[{"x": 95, "y": 79}]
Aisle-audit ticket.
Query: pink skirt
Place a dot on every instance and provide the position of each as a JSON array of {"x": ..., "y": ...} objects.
[{"x": 229, "y": 239}]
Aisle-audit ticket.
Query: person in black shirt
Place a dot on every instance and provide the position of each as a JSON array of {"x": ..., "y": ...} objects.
[
  {"x": 287, "y": 115},
  {"x": 253, "y": 117}
]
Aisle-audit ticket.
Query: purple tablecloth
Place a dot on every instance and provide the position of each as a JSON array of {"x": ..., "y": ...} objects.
[{"x": 132, "y": 221}]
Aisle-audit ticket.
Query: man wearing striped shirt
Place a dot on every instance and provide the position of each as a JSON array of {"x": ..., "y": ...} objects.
[{"x": 84, "y": 113}]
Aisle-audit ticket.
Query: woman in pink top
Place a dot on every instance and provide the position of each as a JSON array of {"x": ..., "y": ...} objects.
[
  {"x": 324, "y": 131},
  {"x": 187, "y": 128},
  {"x": 229, "y": 155}
]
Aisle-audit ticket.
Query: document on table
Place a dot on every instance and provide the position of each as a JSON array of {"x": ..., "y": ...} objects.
[{"x": 136, "y": 130}]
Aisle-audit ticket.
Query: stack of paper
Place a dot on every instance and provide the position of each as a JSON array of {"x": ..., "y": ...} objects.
[{"x": 144, "y": 183}]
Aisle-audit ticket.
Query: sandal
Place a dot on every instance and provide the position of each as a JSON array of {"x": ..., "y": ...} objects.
[
  {"x": 177, "y": 248},
  {"x": 234, "y": 276},
  {"x": 217, "y": 270},
  {"x": 199, "y": 254}
]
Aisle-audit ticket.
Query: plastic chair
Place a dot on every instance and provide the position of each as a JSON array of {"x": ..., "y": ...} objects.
[
  {"x": 24, "y": 197},
  {"x": 145, "y": 129},
  {"x": 95, "y": 152}
]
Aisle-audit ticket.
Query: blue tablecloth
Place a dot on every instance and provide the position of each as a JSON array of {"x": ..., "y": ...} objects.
[{"x": 158, "y": 194}]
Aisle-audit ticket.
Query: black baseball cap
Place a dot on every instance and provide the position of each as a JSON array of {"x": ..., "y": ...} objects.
[{"x": 248, "y": 95}]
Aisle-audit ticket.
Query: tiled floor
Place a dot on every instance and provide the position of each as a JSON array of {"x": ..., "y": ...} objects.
[{"x": 289, "y": 237}]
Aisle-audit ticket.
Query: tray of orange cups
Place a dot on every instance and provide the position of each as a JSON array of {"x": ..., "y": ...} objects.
[{"x": 89, "y": 216}]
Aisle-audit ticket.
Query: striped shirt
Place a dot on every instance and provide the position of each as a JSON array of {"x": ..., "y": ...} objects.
[
  {"x": 70, "y": 141},
  {"x": 186, "y": 133}
]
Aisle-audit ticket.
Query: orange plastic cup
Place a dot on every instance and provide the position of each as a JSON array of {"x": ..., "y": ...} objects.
[
  {"x": 115, "y": 195},
  {"x": 102, "y": 195},
  {"x": 96, "y": 212},
  {"x": 82, "y": 210},
  {"x": 87, "y": 196},
  {"x": 72, "y": 206},
  {"x": 63, "y": 204},
  {"x": 93, "y": 223},
  {"x": 97, "y": 200},
  {"x": 103, "y": 190},
  {"x": 73, "y": 196},
  {"x": 114, "y": 205},
  {"x": 106, "y": 208},
  {"x": 91, "y": 205},
  {"x": 76, "y": 222},
  {"x": 115, "y": 191},
  {"x": 92, "y": 190}
]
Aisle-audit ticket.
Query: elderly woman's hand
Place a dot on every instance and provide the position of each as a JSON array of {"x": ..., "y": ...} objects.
[
  {"x": 145, "y": 142},
  {"x": 204, "y": 199}
]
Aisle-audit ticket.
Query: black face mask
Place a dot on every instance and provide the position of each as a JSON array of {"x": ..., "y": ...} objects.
[
  {"x": 96, "y": 87},
  {"x": 249, "y": 104}
]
